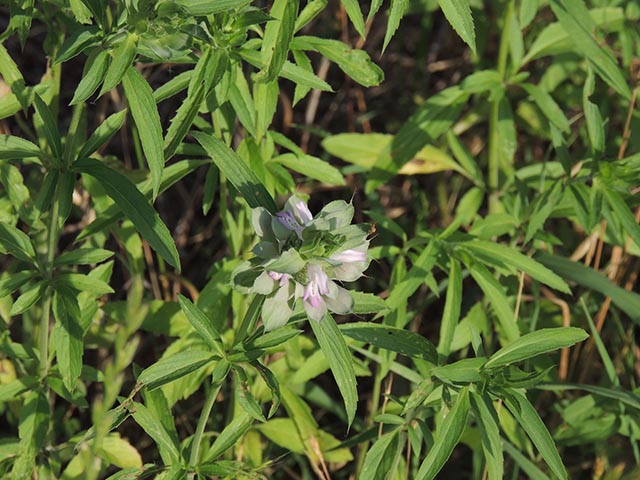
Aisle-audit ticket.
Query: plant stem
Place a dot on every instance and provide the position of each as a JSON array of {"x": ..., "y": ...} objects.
[
  {"x": 494, "y": 141},
  {"x": 45, "y": 320},
  {"x": 202, "y": 423}
]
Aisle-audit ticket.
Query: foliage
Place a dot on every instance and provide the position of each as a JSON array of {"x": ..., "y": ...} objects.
[{"x": 502, "y": 207}]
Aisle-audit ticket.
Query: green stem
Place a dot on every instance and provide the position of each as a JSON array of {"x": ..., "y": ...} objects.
[
  {"x": 373, "y": 411},
  {"x": 202, "y": 423},
  {"x": 45, "y": 320},
  {"x": 494, "y": 141}
]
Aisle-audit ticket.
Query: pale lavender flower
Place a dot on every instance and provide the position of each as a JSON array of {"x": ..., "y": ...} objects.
[
  {"x": 295, "y": 216},
  {"x": 322, "y": 294}
]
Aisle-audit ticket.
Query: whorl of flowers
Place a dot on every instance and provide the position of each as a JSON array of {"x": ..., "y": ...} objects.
[{"x": 299, "y": 257}]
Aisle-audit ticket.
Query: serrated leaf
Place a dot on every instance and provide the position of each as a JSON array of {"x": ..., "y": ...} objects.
[
  {"x": 535, "y": 343},
  {"x": 396, "y": 12},
  {"x": 340, "y": 361},
  {"x": 135, "y": 206},
  {"x": 391, "y": 338},
  {"x": 16, "y": 148},
  {"x": 145, "y": 115},
  {"x": 49, "y": 124},
  {"x": 447, "y": 437},
  {"x": 458, "y": 14},
  {"x": 312, "y": 167},
  {"x": 171, "y": 368},
  {"x": 33, "y": 428},
  {"x": 237, "y": 172},
  {"x": 352, "y": 7}
]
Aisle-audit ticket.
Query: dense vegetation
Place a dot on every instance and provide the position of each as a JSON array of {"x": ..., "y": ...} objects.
[{"x": 309, "y": 239}]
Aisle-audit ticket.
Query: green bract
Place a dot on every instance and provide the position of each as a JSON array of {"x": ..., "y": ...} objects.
[{"x": 299, "y": 257}]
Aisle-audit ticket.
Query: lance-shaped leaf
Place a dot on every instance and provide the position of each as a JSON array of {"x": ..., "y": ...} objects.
[
  {"x": 69, "y": 345},
  {"x": 202, "y": 325},
  {"x": 277, "y": 37},
  {"x": 145, "y": 115},
  {"x": 134, "y": 205},
  {"x": 171, "y": 368},
  {"x": 535, "y": 343}
]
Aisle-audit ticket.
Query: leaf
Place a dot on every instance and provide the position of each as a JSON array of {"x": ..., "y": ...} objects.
[
  {"x": 534, "y": 343},
  {"x": 628, "y": 302},
  {"x": 277, "y": 38},
  {"x": 11, "y": 282},
  {"x": 622, "y": 212},
  {"x": 237, "y": 172},
  {"x": 202, "y": 325},
  {"x": 169, "y": 450},
  {"x": 135, "y": 206},
  {"x": 103, "y": 133},
  {"x": 452, "y": 305},
  {"x": 335, "y": 349},
  {"x": 396, "y": 12},
  {"x": 592, "y": 116},
  {"x": 517, "y": 260},
  {"x": 576, "y": 21},
  {"x": 69, "y": 349},
  {"x": 355, "y": 63},
  {"x": 122, "y": 57},
  {"x": 380, "y": 457},
  {"x": 495, "y": 295},
  {"x": 30, "y": 295},
  {"x": 33, "y": 428},
  {"x": 487, "y": 419},
  {"x": 83, "y": 283},
  {"x": 16, "y": 148},
  {"x": 548, "y": 105},
  {"x": 209, "y": 7},
  {"x": 352, "y": 8},
  {"x": 78, "y": 42},
  {"x": 447, "y": 437},
  {"x": 312, "y": 167},
  {"x": 119, "y": 452},
  {"x": 16, "y": 243},
  {"x": 229, "y": 435},
  {"x": 391, "y": 338},
  {"x": 528, "y": 467},
  {"x": 530, "y": 421},
  {"x": 171, "y": 368},
  {"x": 50, "y": 126},
  {"x": 458, "y": 14},
  {"x": 147, "y": 120}
]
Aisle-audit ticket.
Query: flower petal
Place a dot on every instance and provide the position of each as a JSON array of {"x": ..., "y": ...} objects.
[{"x": 318, "y": 312}]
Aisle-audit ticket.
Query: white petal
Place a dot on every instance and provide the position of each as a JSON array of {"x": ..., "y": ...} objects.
[
  {"x": 316, "y": 313},
  {"x": 340, "y": 301},
  {"x": 276, "y": 311}
]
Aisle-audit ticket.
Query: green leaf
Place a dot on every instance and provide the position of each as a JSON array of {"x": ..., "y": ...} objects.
[
  {"x": 171, "y": 368},
  {"x": 536, "y": 343},
  {"x": 391, "y": 338},
  {"x": 202, "y": 325},
  {"x": 495, "y": 294},
  {"x": 623, "y": 213},
  {"x": 452, "y": 306},
  {"x": 16, "y": 243},
  {"x": 592, "y": 116},
  {"x": 467, "y": 370},
  {"x": 16, "y": 148},
  {"x": 396, "y": 12},
  {"x": 147, "y": 120},
  {"x": 447, "y": 437},
  {"x": 122, "y": 58},
  {"x": 30, "y": 295},
  {"x": 244, "y": 396},
  {"x": 527, "y": 466},
  {"x": 355, "y": 63},
  {"x": 628, "y": 302},
  {"x": 69, "y": 348},
  {"x": 237, "y": 172},
  {"x": 209, "y": 7},
  {"x": 548, "y": 105},
  {"x": 50, "y": 126},
  {"x": 83, "y": 283},
  {"x": 169, "y": 450},
  {"x": 528, "y": 418},
  {"x": 487, "y": 419},
  {"x": 13, "y": 281},
  {"x": 352, "y": 8},
  {"x": 609, "y": 367},
  {"x": 9, "y": 391},
  {"x": 77, "y": 43},
  {"x": 517, "y": 260},
  {"x": 628, "y": 398},
  {"x": 83, "y": 256},
  {"x": 103, "y": 133},
  {"x": 33, "y": 428},
  {"x": 312, "y": 167},
  {"x": 380, "y": 457},
  {"x": 229, "y": 435},
  {"x": 277, "y": 38},
  {"x": 576, "y": 21},
  {"x": 135, "y": 206},
  {"x": 458, "y": 14},
  {"x": 340, "y": 361}
]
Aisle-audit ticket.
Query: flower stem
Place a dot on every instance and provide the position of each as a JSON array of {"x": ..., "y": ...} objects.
[{"x": 202, "y": 423}]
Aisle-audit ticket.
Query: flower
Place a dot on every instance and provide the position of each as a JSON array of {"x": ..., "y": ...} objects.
[
  {"x": 299, "y": 258},
  {"x": 322, "y": 294}
]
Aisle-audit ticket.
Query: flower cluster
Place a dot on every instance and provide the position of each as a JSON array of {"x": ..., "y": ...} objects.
[{"x": 299, "y": 258}]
